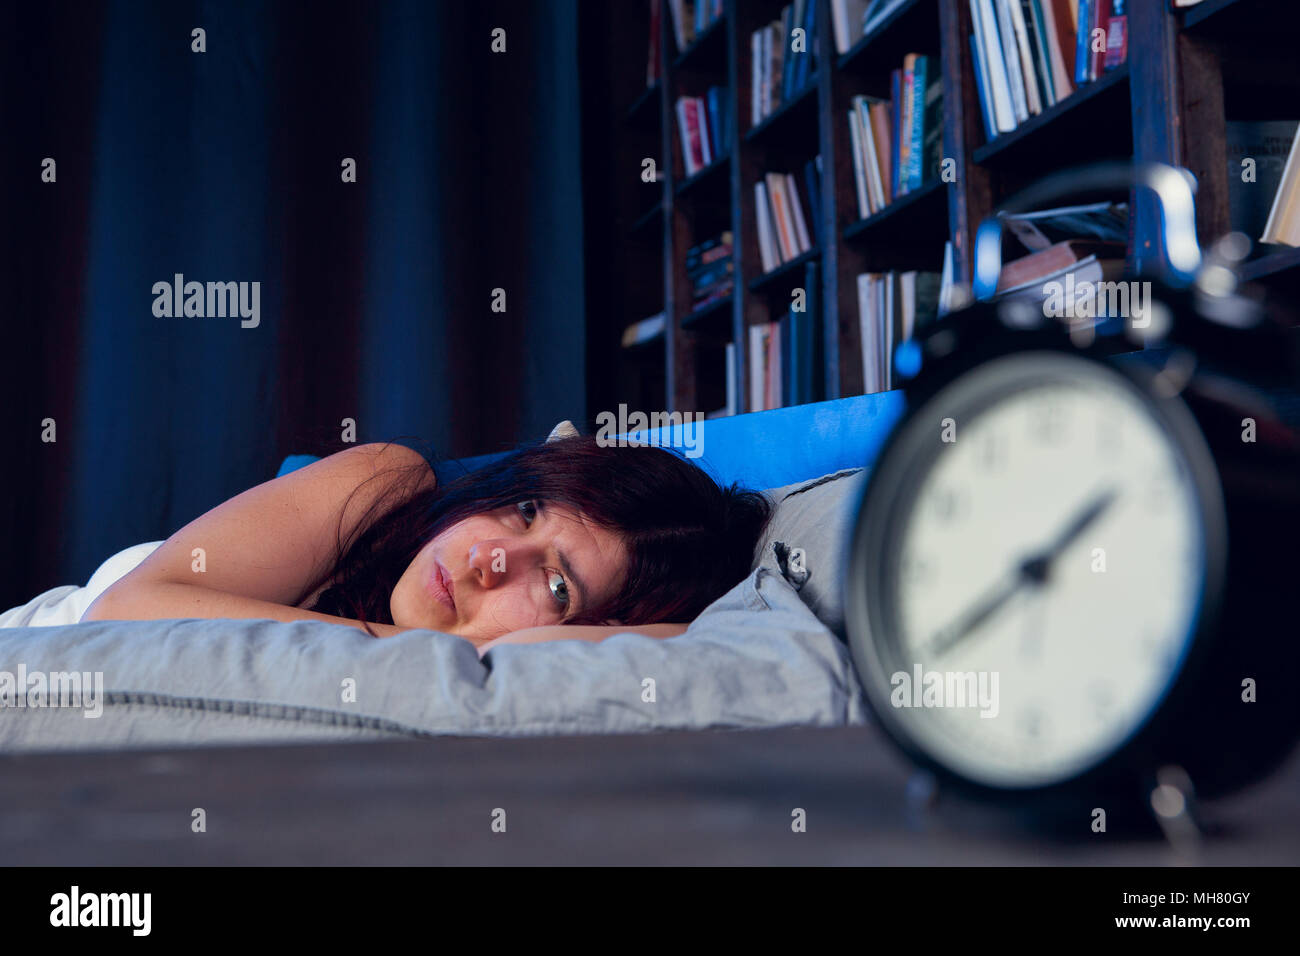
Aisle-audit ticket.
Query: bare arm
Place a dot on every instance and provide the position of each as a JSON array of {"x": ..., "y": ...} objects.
[{"x": 266, "y": 549}]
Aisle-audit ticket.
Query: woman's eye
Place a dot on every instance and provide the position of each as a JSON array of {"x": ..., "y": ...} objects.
[
  {"x": 559, "y": 588},
  {"x": 528, "y": 510}
]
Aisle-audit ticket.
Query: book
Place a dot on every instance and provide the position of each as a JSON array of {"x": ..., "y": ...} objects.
[
  {"x": 895, "y": 124},
  {"x": 903, "y": 131},
  {"x": 1041, "y": 228},
  {"x": 1082, "y": 57},
  {"x": 846, "y": 22},
  {"x": 766, "y": 238},
  {"x": 1116, "y": 34},
  {"x": 986, "y": 31},
  {"x": 652, "y": 62},
  {"x": 982, "y": 89},
  {"x": 1033, "y": 92},
  {"x": 1032, "y": 12},
  {"x": 932, "y": 129},
  {"x": 1099, "y": 18},
  {"x": 879, "y": 112},
  {"x": 919, "y": 85},
  {"x": 1011, "y": 60},
  {"x": 796, "y": 208},
  {"x": 856, "y": 140},
  {"x": 644, "y": 331},
  {"x": 787, "y": 244},
  {"x": 688, "y": 127},
  {"x": 683, "y": 23},
  {"x": 1090, "y": 269},
  {"x": 1055, "y": 258},
  {"x": 876, "y": 13},
  {"x": 1283, "y": 225},
  {"x": 1267, "y": 144},
  {"x": 1059, "y": 36}
]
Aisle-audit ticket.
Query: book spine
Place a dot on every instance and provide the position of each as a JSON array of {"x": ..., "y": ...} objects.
[
  {"x": 1081, "y": 56},
  {"x": 1097, "y": 51},
  {"x": 895, "y": 127},
  {"x": 920, "y": 86},
  {"x": 1117, "y": 34}
]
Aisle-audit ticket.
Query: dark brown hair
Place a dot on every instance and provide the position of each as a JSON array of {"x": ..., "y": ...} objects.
[{"x": 688, "y": 540}]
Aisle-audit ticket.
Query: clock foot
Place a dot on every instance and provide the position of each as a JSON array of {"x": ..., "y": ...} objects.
[{"x": 1172, "y": 800}]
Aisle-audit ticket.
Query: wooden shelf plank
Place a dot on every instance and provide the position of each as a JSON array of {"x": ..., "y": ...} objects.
[
  {"x": 708, "y": 50},
  {"x": 931, "y": 191},
  {"x": 802, "y": 101},
  {"x": 1209, "y": 9},
  {"x": 784, "y": 270},
  {"x": 914, "y": 24},
  {"x": 644, "y": 110},
  {"x": 719, "y": 165},
  {"x": 1086, "y": 94},
  {"x": 714, "y": 310},
  {"x": 643, "y": 222},
  {"x": 1271, "y": 264}
]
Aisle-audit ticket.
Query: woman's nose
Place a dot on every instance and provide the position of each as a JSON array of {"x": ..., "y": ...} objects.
[{"x": 495, "y": 560}]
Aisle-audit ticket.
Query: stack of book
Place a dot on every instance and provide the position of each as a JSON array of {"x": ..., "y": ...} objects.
[
  {"x": 711, "y": 270},
  {"x": 702, "y": 124},
  {"x": 891, "y": 305},
  {"x": 784, "y": 356},
  {"x": 691, "y": 18},
  {"x": 780, "y": 70},
  {"x": 788, "y": 219},
  {"x": 1031, "y": 54},
  {"x": 897, "y": 144},
  {"x": 1086, "y": 243},
  {"x": 854, "y": 19}
]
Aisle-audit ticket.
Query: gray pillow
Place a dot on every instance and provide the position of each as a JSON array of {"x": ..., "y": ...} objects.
[
  {"x": 756, "y": 657},
  {"x": 807, "y": 540}
]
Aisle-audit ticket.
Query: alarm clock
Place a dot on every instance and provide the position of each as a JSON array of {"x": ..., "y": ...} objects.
[{"x": 1075, "y": 558}]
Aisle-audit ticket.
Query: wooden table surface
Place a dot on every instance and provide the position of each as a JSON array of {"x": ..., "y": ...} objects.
[{"x": 704, "y": 797}]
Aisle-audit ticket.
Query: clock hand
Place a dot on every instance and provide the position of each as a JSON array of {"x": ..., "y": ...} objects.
[
  {"x": 1033, "y": 571},
  {"x": 992, "y": 602},
  {"x": 1080, "y": 524}
]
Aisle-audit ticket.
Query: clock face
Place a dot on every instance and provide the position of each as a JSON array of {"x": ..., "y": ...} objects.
[{"x": 1035, "y": 570}]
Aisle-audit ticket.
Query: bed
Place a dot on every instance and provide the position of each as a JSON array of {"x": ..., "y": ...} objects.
[{"x": 769, "y": 653}]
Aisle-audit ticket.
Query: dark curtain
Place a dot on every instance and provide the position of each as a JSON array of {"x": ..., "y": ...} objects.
[{"x": 225, "y": 166}]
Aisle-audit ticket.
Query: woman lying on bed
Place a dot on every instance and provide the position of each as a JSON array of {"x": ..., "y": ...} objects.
[{"x": 561, "y": 541}]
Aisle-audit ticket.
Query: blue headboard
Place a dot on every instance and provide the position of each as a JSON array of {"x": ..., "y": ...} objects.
[{"x": 761, "y": 449}]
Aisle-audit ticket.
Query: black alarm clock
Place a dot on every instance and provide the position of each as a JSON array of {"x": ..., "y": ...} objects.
[{"x": 1075, "y": 560}]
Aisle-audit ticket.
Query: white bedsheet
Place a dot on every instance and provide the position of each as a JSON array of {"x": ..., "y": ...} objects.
[{"x": 65, "y": 604}]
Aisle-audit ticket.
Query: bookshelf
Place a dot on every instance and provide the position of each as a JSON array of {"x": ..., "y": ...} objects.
[{"x": 1187, "y": 74}]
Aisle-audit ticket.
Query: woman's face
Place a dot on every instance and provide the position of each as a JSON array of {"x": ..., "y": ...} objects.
[{"x": 521, "y": 566}]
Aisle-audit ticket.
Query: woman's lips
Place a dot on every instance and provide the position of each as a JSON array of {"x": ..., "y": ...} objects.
[{"x": 442, "y": 587}]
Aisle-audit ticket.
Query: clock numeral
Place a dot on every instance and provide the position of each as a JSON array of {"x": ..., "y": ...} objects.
[
  {"x": 1049, "y": 421},
  {"x": 948, "y": 504},
  {"x": 991, "y": 452},
  {"x": 1032, "y": 723},
  {"x": 1101, "y": 699},
  {"x": 916, "y": 570}
]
